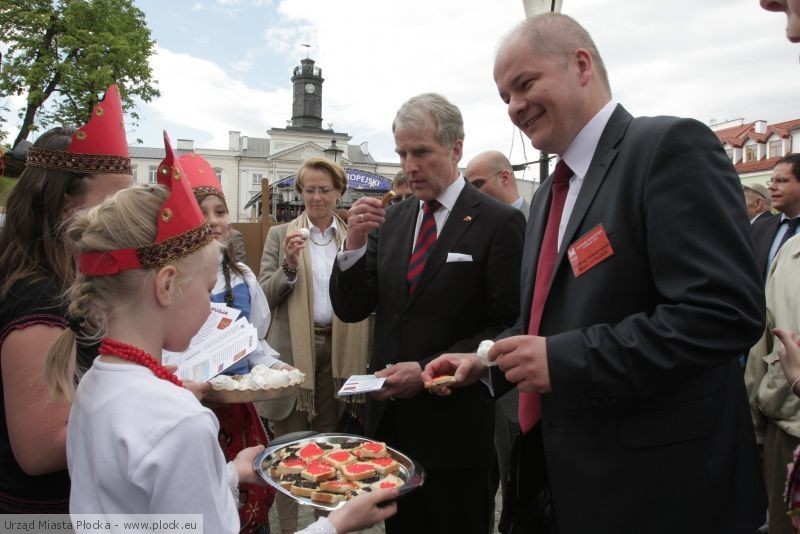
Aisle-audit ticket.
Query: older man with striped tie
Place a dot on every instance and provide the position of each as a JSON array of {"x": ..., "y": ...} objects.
[{"x": 441, "y": 272}]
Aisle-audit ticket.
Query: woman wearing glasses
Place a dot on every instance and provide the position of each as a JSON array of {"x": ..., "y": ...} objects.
[{"x": 295, "y": 268}]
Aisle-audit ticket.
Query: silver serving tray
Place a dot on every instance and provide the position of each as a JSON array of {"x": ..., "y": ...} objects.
[{"x": 411, "y": 471}]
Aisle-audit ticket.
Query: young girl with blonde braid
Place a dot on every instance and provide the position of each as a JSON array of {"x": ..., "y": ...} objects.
[{"x": 137, "y": 442}]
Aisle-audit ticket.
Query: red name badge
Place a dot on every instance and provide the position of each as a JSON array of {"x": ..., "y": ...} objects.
[{"x": 589, "y": 250}]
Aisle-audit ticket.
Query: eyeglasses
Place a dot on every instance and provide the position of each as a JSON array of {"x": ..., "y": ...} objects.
[
  {"x": 777, "y": 182},
  {"x": 311, "y": 191},
  {"x": 397, "y": 199},
  {"x": 478, "y": 183}
]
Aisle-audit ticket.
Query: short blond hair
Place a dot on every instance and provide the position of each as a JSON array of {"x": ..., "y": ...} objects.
[{"x": 334, "y": 170}]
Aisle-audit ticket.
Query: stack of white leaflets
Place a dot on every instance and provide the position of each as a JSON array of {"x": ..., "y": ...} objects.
[{"x": 224, "y": 339}]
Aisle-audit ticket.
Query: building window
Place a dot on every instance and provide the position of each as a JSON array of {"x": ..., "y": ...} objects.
[
  {"x": 218, "y": 172},
  {"x": 257, "y": 177},
  {"x": 729, "y": 152},
  {"x": 750, "y": 153},
  {"x": 133, "y": 172},
  {"x": 776, "y": 148},
  {"x": 152, "y": 174}
]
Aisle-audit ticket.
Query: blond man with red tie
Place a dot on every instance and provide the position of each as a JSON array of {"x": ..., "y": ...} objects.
[{"x": 636, "y": 300}]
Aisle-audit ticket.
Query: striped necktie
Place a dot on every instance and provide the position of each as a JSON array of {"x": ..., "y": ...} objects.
[{"x": 426, "y": 238}]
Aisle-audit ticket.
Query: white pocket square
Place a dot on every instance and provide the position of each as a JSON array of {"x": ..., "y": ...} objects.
[{"x": 455, "y": 257}]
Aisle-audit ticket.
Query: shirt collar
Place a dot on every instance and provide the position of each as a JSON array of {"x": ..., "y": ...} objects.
[
  {"x": 332, "y": 227},
  {"x": 581, "y": 151},
  {"x": 449, "y": 196}
]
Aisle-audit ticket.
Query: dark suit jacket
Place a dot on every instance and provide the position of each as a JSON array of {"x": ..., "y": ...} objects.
[
  {"x": 763, "y": 215},
  {"x": 455, "y": 306},
  {"x": 764, "y": 230},
  {"x": 647, "y": 429}
]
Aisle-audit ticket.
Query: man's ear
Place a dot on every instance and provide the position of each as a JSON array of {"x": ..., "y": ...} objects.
[
  {"x": 585, "y": 65},
  {"x": 458, "y": 150},
  {"x": 505, "y": 177},
  {"x": 166, "y": 285}
]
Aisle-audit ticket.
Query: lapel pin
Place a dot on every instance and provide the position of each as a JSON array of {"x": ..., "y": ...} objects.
[{"x": 467, "y": 218}]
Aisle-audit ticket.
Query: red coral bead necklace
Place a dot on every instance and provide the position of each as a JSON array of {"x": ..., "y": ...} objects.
[{"x": 112, "y": 347}]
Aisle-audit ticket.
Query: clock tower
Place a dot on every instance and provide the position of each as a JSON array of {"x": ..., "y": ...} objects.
[{"x": 307, "y": 97}]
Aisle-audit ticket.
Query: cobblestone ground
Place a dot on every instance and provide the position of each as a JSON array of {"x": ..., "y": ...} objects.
[{"x": 307, "y": 517}]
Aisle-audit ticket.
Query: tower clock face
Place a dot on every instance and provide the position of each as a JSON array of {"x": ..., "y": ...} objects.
[{"x": 310, "y": 88}]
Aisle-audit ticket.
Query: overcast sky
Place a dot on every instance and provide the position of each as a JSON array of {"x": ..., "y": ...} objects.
[{"x": 226, "y": 64}]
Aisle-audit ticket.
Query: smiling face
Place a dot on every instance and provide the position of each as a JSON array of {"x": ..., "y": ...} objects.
[
  {"x": 546, "y": 94},
  {"x": 216, "y": 213},
  {"x": 792, "y": 10},
  {"x": 429, "y": 166}
]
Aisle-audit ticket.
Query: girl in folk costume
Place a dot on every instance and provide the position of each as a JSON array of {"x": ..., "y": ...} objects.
[
  {"x": 66, "y": 170},
  {"x": 295, "y": 271},
  {"x": 237, "y": 287},
  {"x": 138, "y": 442}
]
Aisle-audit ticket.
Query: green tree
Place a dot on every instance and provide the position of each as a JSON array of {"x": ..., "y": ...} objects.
[{"x": 63, "y": 54}]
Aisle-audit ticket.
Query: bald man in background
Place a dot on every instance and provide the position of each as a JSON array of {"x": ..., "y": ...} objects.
[{"x": 492, "y": 174}]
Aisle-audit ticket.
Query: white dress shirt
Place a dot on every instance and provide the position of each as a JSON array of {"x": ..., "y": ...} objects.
[
  {"x": 348, "y": 258},
  {"x": 578, "y": 157},
  {"x": 322, "y": 251}
]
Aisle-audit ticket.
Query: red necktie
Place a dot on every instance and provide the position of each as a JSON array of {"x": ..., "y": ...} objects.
[
  {"x": 530, "y": 404},
  {"x": 426, "y": 238}
]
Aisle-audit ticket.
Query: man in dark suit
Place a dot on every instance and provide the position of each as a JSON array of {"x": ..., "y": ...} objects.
[
  {"x": 757, "y": 202},
  {"x": 459, "y": 285},
  {"x": 636, "y": 300},
  {"x": 770, "y": 234}
]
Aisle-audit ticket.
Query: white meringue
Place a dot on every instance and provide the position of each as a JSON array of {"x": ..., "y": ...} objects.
[
  {"x": 483, "y": 352},
  {"x": 304, "y": 233},
  {"x": 259, "y": 377}
]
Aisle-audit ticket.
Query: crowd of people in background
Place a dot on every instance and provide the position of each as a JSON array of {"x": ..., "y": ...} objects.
[{"x": 611, "y": 400}]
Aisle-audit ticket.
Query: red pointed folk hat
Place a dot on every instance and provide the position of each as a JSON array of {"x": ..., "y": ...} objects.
[
  {"x": 182, "y": 229},
  {"x": 202, "y": 176},
  {"x": 98, "y": 147}
]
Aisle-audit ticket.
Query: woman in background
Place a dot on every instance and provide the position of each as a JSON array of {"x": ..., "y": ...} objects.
[
  {"x": 295, "y": 271},
  {"x": 66, "y": 171}
]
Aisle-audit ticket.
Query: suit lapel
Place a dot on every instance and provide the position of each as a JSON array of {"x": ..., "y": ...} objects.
[
  {"x": 462, "y": 217},
  {"x": 601, "y": 162}
]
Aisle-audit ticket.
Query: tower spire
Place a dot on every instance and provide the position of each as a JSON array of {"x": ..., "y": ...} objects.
[{"x": 307, "y": 95}]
